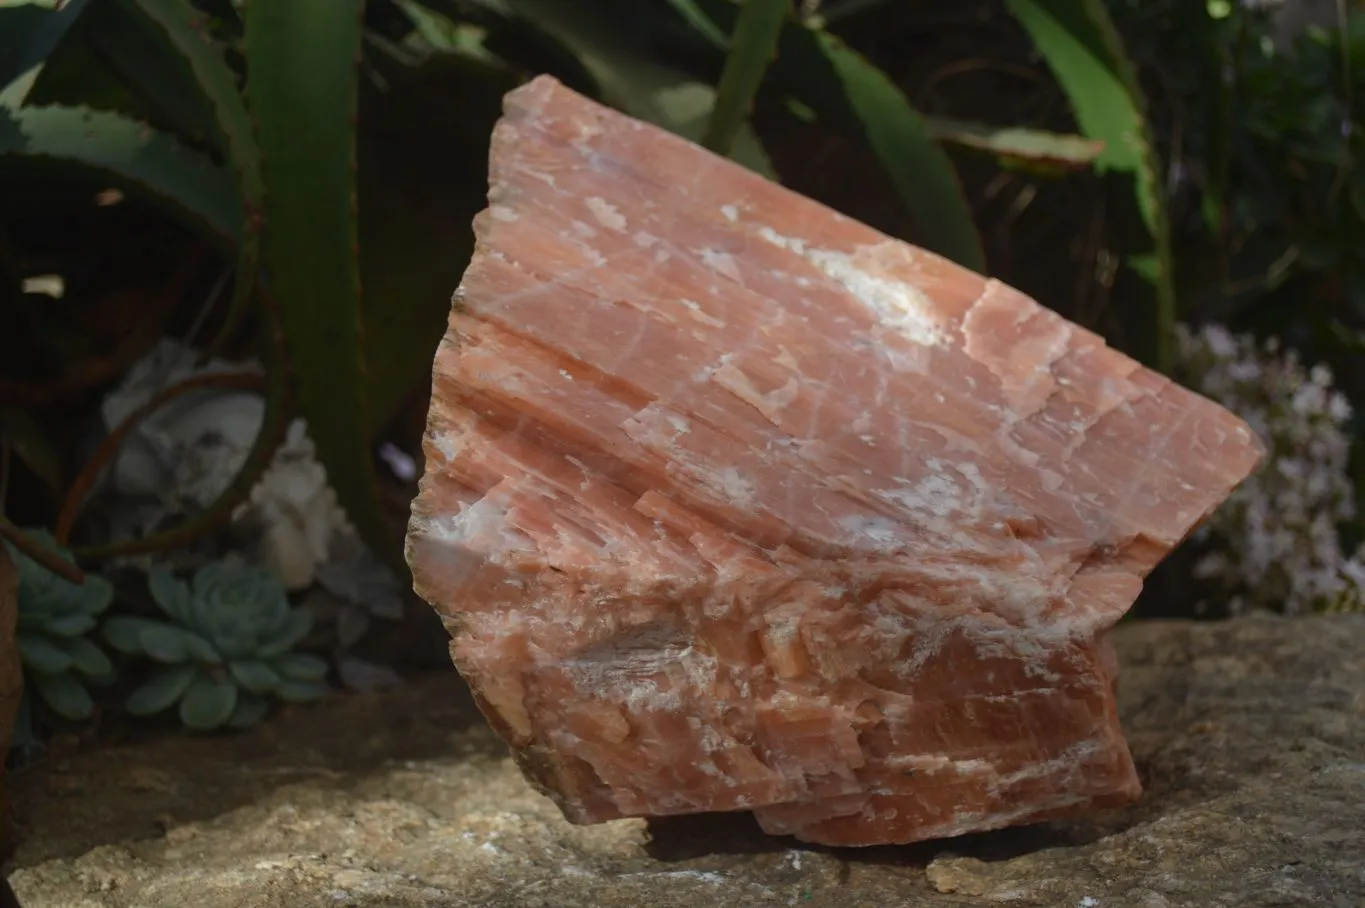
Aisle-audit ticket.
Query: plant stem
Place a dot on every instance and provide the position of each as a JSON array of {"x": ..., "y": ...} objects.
[{"x": 751, "y": 50}]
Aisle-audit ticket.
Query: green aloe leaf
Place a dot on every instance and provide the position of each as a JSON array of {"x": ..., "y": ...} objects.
[
  {"x": 164, "y": 643},
  {"x": 1083, "y": 49},
  {"x": 303, "y": 95},
  {"x": 185, "y": 33},
  {"x": 29, "y": 33},
  {"x": 208, "y": 703},
  {"x": 110, "y": 62},
  {"x": 751, "y": 51},
  {"x": 250, "y": 710},
  {"x": 31, "y": 443},
  {"x": 88, "y": 659},
  {"x": 110, "y": 146},
  {"x": 850, "y": 94},
  {"x": 43, "y": 656},
  {"x": 161, "y": 691},
  {"x": 631, "y": 80},
  {"x": 301, "y": 667},
  {"x": 65, "y": 695},
  {"x": 254, "y": 674},
  {"x": 701, "y": 23},
  {"x": 419, "y": 141},
  {"x": 301, "y": 691}
]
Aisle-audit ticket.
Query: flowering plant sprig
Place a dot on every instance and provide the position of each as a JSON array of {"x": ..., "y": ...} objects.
[{"x": 1275, "y": 544}]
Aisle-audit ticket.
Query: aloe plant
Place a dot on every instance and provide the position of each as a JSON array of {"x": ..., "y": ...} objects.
[
  {"x": 1082, "y": 47},
  {"x": 56, "y": 618},
  {"x": 224, "y": 650}
]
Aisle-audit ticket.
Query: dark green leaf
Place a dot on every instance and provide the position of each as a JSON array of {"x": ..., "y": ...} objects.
[
  {"x": 185, "y": 32},
  {"x": 301, "y": 667},
  {"x": 208, "y": 703},
  {"x": 109, "y": 62},
  {"x": 253, "y": 674},
  {"x": 65, "y": 695},
  {"x": 125, "y": 633},
  {"x": 630, "y": 79},
  {"x": 419, "y": 143},
  {"x": 1085, "y": 53},
  {"x": 29, "y": 33},
  {"x": 201, "y": 650},
  {"x": 250, "y": 710},
  {"x": 751, "y": 51},
  {"x": 701, "y": 23},
  {"x": 293, "y": 629},
  {"x": 30, "y": 443},
  {"x": 301, "y": 691},
  {"x": 164, "y": 643},
  {"x": 87, "y": 658},
  {"x": 161, "y": 691},
  {"x": 73, "y": 625},
  {"x": 111, "y": 147},
  {"x": 39, "y": 653},
  {"x": 852, "y": 95},
  {"x": 302, "y": 56},
  {"x": 173, "y": 596}
]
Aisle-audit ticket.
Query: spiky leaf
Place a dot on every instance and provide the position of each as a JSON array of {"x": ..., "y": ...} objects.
[
  {"x": 852, "y": 95},
  {"x": 184, "y": 31},
  {"x": 1083, "y": 49},
  {"x": 302, "y": 56},
  {"x": 108, "y": 146},
  {"x": 161, "y": 691},
  {"x": 420, "y": 138},
  {"x": 631, "y": 79},
  {"x": 29, "y": 33}
]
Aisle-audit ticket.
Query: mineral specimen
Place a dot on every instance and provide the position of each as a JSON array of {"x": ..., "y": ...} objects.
[{"x": 733, "y": 503}]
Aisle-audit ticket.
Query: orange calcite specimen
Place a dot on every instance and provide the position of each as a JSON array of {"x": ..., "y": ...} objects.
[{"x": 733, "y": 503}]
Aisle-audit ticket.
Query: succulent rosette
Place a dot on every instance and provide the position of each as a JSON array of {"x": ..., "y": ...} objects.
[
  {"x": 226, "y": 651},
  {"x": 55, "y": 618}
]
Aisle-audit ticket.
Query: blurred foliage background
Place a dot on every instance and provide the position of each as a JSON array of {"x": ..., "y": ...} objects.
[{"x": 229, "y": 234}]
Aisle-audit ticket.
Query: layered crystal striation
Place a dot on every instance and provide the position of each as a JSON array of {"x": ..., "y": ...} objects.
[{"x": 734, "y": 503}]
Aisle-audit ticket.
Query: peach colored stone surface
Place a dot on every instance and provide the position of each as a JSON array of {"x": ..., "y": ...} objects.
[{"x": 733, "y": 503}]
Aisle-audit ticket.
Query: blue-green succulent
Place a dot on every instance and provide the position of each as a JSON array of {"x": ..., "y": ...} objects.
[
  {"x": 56, "y": 617},
  {"x": 226, "y": 651}
]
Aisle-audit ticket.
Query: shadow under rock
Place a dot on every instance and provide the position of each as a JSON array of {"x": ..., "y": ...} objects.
[
  {"x": 711, "y": 835},
  {"x": 137, "y": 789}
]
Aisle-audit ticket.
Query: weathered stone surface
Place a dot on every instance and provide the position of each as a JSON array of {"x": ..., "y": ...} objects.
[
  {"x": 1249, "y": 735},
  {"x": 734, "y": 503}
]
